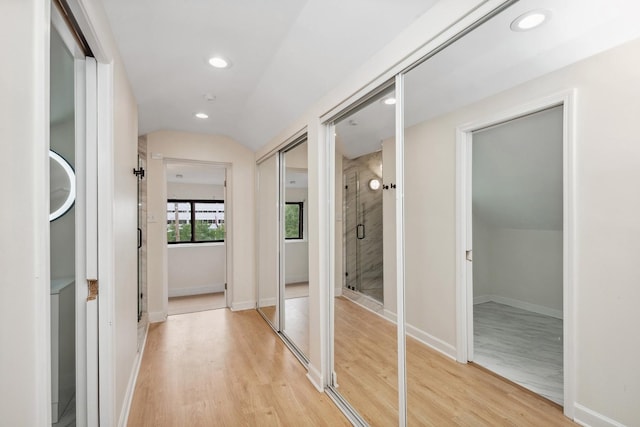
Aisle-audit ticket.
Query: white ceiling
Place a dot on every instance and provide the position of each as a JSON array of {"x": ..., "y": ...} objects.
[
  {"x": 285, "y": 55},
  {"x": 493, "y": 58},
  {"x": 517, "y": 173}
]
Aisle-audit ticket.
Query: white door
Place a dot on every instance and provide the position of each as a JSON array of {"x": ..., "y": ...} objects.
[{"x": 74, "y": 132}]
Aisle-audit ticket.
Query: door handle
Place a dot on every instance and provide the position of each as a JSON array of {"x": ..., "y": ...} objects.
[
  {"x": 360, "y": 231},
  {"x": 139, "y": 238}
]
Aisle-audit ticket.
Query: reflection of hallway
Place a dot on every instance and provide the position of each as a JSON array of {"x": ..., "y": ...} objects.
[
  {"x": 522, "y": 346},
  {"x": 296, "y": 309},
  {"x": 440, "y": 390}
]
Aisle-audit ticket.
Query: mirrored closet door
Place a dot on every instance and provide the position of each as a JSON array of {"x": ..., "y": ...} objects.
[
  {"x": 365, "y": 346},
  {"x": 283, "y": 248},
  {"x": 268, "y": 242},
  {"x": 486, "y": 152},
  {"x": 294, "y": 277}
]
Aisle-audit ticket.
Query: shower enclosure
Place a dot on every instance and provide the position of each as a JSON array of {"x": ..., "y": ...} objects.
[{"x": 363, "y": 226}]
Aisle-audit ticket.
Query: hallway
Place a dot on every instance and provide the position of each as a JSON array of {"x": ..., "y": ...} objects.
[{"x": 224, "y": 368}]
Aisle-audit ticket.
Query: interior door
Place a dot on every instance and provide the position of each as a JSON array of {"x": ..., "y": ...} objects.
[{"x": 73, "y": 132}]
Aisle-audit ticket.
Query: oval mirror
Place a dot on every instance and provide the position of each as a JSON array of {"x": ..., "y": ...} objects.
[{"x": 62, "y": 184}]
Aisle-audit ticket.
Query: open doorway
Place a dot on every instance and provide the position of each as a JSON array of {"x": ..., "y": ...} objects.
[
  {"x": 517, "y": 225},
  {"x": 196, "y": 238}
]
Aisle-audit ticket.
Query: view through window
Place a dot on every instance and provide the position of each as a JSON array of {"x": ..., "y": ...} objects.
[{"x": 195, "y": 221}]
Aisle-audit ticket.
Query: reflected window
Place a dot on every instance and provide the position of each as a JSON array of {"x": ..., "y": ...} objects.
[
  {"x": 195, "y": 221},
  {"x": 293, "y": 222}
]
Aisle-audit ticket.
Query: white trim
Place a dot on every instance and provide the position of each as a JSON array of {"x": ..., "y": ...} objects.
[
  {"x": 243, "y": 305},
  {"x": 315, "y": 377},
  {"x": 157, "y": 316},
  {"x": 131, "y": 385},
  {"x": 589, "y": 418},
  {"x": 431, "y": 341},
  {"x": 41, "y": 226},
  {"x": 196, "y": 290},
  {"x": 400, "y": 259},
  {"x": 464, "y": 271},
  {"x": 106, "y": 247}
]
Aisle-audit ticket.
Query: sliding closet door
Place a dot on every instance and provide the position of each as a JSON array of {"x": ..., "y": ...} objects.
[
  {"x": 365, "y": 348},
  {"x": 268, "y": 241},
  {"x": 294, "y": 276}
]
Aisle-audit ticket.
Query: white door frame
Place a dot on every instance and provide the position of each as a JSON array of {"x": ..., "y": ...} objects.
[{"x": 464, "y": 270}]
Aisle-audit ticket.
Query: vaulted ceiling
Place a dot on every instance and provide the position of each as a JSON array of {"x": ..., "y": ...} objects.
[{"x": 284, "y": 56}]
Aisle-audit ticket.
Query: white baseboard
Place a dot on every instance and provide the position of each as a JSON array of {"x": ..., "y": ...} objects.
[
  {"x": 315, "y": 377},
  {"x": 338, "y": 292},
  {"x": 534, "y": 308},
  {"x": 131, "y": 386},
  {"x": 431, "y": 341},
  {"x": 197, "y": 290},
  {"x": 267, "y": 302},
  {"x": 243, "y": 305},
  {"x": 390, "y": 315},
  {"x": 588, "y": 418},
  {"x": 296, "y": 279},
  {"x": 157, "y": 316}
]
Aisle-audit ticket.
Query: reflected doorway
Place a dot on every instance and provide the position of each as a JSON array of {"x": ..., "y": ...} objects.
[{"x": 517, "y": 223}]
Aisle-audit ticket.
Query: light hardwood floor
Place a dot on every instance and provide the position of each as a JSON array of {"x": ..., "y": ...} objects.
[
  {"x": 224, "y": 368},
  {"x": 440, "y": 391},
  {"x": 194, "y": 303}
]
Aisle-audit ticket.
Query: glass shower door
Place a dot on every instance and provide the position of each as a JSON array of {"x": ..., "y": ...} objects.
[{"x": 352, "y": 273}]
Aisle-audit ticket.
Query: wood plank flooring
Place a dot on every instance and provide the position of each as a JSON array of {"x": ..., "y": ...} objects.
[
  {"x": 440, "y": 391},
  {"x": 194, "y": 303},
  {"x": 224, "y": 368}
]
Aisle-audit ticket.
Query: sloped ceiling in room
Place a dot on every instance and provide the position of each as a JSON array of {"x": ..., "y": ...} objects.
[
  {"x": 517, "y": 173},
  {"x": 285, "y": 55}
]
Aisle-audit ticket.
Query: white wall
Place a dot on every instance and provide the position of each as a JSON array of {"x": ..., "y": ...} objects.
[
  {"x": 608, "y": 206},
  {"x": 176, "y": 190},
  {"x": 24, "y": 289},
  {"x": 239, "y": 206},
  {"x": 196, "y": 268}
]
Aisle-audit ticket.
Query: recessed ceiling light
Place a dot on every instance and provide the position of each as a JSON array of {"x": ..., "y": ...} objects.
[
  {"x": 202, "y": 115},
  {"x": 218, "y": 62},
  {"x": 389, "y": 101},
  {"x": 530, "y": 20}
]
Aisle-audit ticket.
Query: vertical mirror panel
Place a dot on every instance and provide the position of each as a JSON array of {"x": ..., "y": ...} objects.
[
  {"x": 63, "y": 251},
  {"x": 295, "y": 323},
  {"x": 268, "y": 241},
  {"x": 485, "y": 181},
  {"x": 365, "y": 345}
]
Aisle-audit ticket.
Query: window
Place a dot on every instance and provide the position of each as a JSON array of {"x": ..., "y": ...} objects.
[
  {"x": 293, "y": 220},
  {"x": 195, "y": 221}
]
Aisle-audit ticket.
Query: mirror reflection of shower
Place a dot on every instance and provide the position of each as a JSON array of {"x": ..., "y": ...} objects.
[
  {"x": 361, "y": 148},
  {"x": 363, "y": 225}
]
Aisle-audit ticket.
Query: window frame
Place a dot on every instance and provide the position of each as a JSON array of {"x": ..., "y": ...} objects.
[
  {"x": 300, "y": 221},
  {"x": 192, "y": 203}
]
